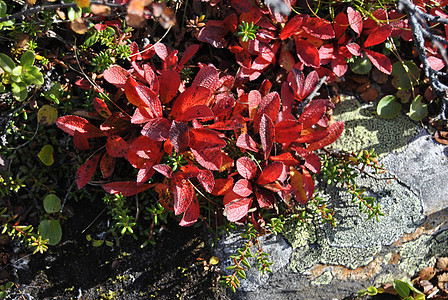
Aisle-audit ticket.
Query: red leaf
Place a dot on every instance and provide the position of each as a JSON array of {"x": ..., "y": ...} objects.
[
  {"x": 163, "y": 169},
  {"x": 188, "y": 54},
  {"x": 312, "y": 113},
  {"x": 191, "y": 215},
  {"x": 86, "y": 171},
  {"x": 222, "y": 186},
  {"x": 151, "y": 100},
  {"x": 192, "y": 96},
  {"x": 307, "y": 53},
  {"x": 210, "y": 159},
  {"x": 80, "y": 141},
  {"x": 126, "y": 188},
  {"x": 293, "y": 26},
  {"x": 207, "y": 77},
  {"x": 145, "y": 172},
  {"x": 116, "y": 75},
  {"x": 203, "y": 138},
  {"x": 207, "y": 180},
  {"x": 287, "y": 97},
  {"x": 161, "y": 50},
  {"x": 270, "y": 173},
  {"x": 319, "y": 28},
  {"x": 246, "y": 142},
  {"x": 436, "y": 63},
  {"x": 183, "y": 193},
  {"x": 145, "y": 148},
  {"x": 378, "y": 35},
  {"x": 242, "y": 6},
  {"x": 169, "y": 82},
  {"x": 198, "y": 112},
  {"x": 246, "y": 167},
  {"x": 265, "y": 198},
  {"x": 312, "y": 137},
  {"x": 224, "y": 102},
  {"x": 237, "y": 209},
  {"x": 225, "y": 125},
  {"x": 286, "y": 158},
  {"x": 151, "y": 78},
  {"x": 270, "y": 106},
  {"x": 380, "y": 61},
  {"x": 116, "y": 146},
  {"x": 355, "y": 20},
  {"x": 340, "y": 24},
  {"x": 335, "y": 131},
  {"x": 101, "y": 107},
  {"x": 141, "y": 115},
  {"x": 308, "y": 183},
  {"x": 131, "y": 92},
  {"x": 297, "y": 184},
  {"x": 179, "y": 136},
  {"x": 71, "y": 123},
  {"x": 287, "y": 131},
  {"x": 214, "y": 33},
  {"x": 254, "y": 100},
  {"x": 116, "y": 124},
  {"x": 312, "y": 160},
  {"x": 157, "y": 129},
  {"x": 266, "y": 135},
  {"x": 107, "y": 165}
]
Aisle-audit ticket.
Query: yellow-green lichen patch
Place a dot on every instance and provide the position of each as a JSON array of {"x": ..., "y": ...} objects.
[
  {"x": 323, "y": 279},
  {"x": 364, "y": 130}
]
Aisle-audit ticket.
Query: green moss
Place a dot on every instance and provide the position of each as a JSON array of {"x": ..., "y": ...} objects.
[{"x": 364, "y": 130}]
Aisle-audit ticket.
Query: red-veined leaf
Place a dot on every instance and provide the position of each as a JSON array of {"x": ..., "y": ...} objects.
[
  {"x": 354, "y": 49},
  {"x": 116, "y": 146},
  {"x": 270, "y": 106},
  {"x": 307, "y": 53},
  {"x": 116, "y": 75},
  {"x": 380, "y": 61},
  {"x": 293, "y": 26},
  {"x": 312, "y": 160},
  {"x": 207, "y": 77},
  {"x": 107, "y": 165},
  {"x": 157, "y": 129},
  {"x": 101, "y": 108},
  {"x": 287, "y": 131},
  {"x": 297, "y": 181},
  {"x": 246, "y": 167},
  {"x": 192, "y": 96},
  {"x": 188, "y": 54},
  {"x": 237, "y": 209},
  {"x": 86, "y": 171},
  {"x": 270, "y": 173},
  {"x": 210, "y": 159},
  {"x": 287, "y": 158},
  {"x": 207, "y": 180},
  {"x": 169, "y": 83},
  {"x": 312, "y": 113},
  {"x": 179, "y": 136},
  {"x": 254, "y": 100},
  {"x": 224, "y": 102},
  {"x": 265, "y": 198},
  {"x": 191, "y": 215},
  {"x": 126, "y": 188},
  {"x": 163, "y": 169},
  {"x": 319, "y": 28},
  {"x": 310, "y": 83},
  {"x": 161, "y": 50},
  {"x": 246, "y": 142},
  {"x": 222, "y": 186},
  {"x": 203, "y": 138},
  {"x": 378, "y": 35},
  {"x": 151, "y": 101},
  {"x": 183, "y": 193},
  {"x": 71, "y": 123},
  {"x": 198, "y": 112},
  {"x": 335, "y": 130},
  {"x": 267, "y": 133},
  {"x": 355, "y": 20}
]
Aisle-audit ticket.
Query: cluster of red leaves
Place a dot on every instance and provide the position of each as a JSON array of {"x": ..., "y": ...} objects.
[{"x": 227, "y": 138}]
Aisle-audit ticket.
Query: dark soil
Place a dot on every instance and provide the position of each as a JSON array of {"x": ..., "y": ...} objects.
[{"x": 175, "y": 268}]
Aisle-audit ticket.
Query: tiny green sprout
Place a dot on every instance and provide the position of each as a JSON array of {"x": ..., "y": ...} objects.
[{"x": 247, "y": 31}]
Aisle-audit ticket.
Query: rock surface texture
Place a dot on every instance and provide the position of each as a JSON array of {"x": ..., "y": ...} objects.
[{"x": 321, "y": 262}]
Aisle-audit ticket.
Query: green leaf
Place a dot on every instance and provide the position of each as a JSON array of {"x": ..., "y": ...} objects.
[
  {"x": 46, "y": 155},
  {"x": 402, "y": 288},
  {"x": 361, "y": 65},
  {"x": 418, "y": 110},
  {"x": 32, "y": 75},
  {"x": 406, "y": 73},
  {"x": 54, "y": 93},
  {"x": 97, "y": 243},
  {"x": 52, "y": 203},
  {"x": 372, "y": 291},
  {"x": 6, "y": 63},
  {"x": 17, "y": 71},
  {"x": 9, "y": 285},
  {"x": 47, "y": 115},
  {"x": 27, "y": 59},
  {"x": 92, "y": 38},
  {"x": 19, "y": 90},
  {"x": 3, "y": 9},
  {"x": 3, "y": 295},
  {"x": 388, "y": 107},
  {"x": 51, "y": 230}
]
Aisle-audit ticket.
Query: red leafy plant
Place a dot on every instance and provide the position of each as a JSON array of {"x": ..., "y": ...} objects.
[{"x": 226, "y": 141}]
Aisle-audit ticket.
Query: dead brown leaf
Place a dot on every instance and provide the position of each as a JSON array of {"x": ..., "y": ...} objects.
[
  {"x": 442, "y": 262},
  {"x": 100, "y": 10},
  {"x": 31, "y": 2},
  {"x": 427, "y": 273},
  {"x": 78, "y": 26},
  {"x": 135, "y": 16},
  {"x": 370, "y": 95},
  {"x": 439, "y": 137},
  {"x": 379, "y": 76}
]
